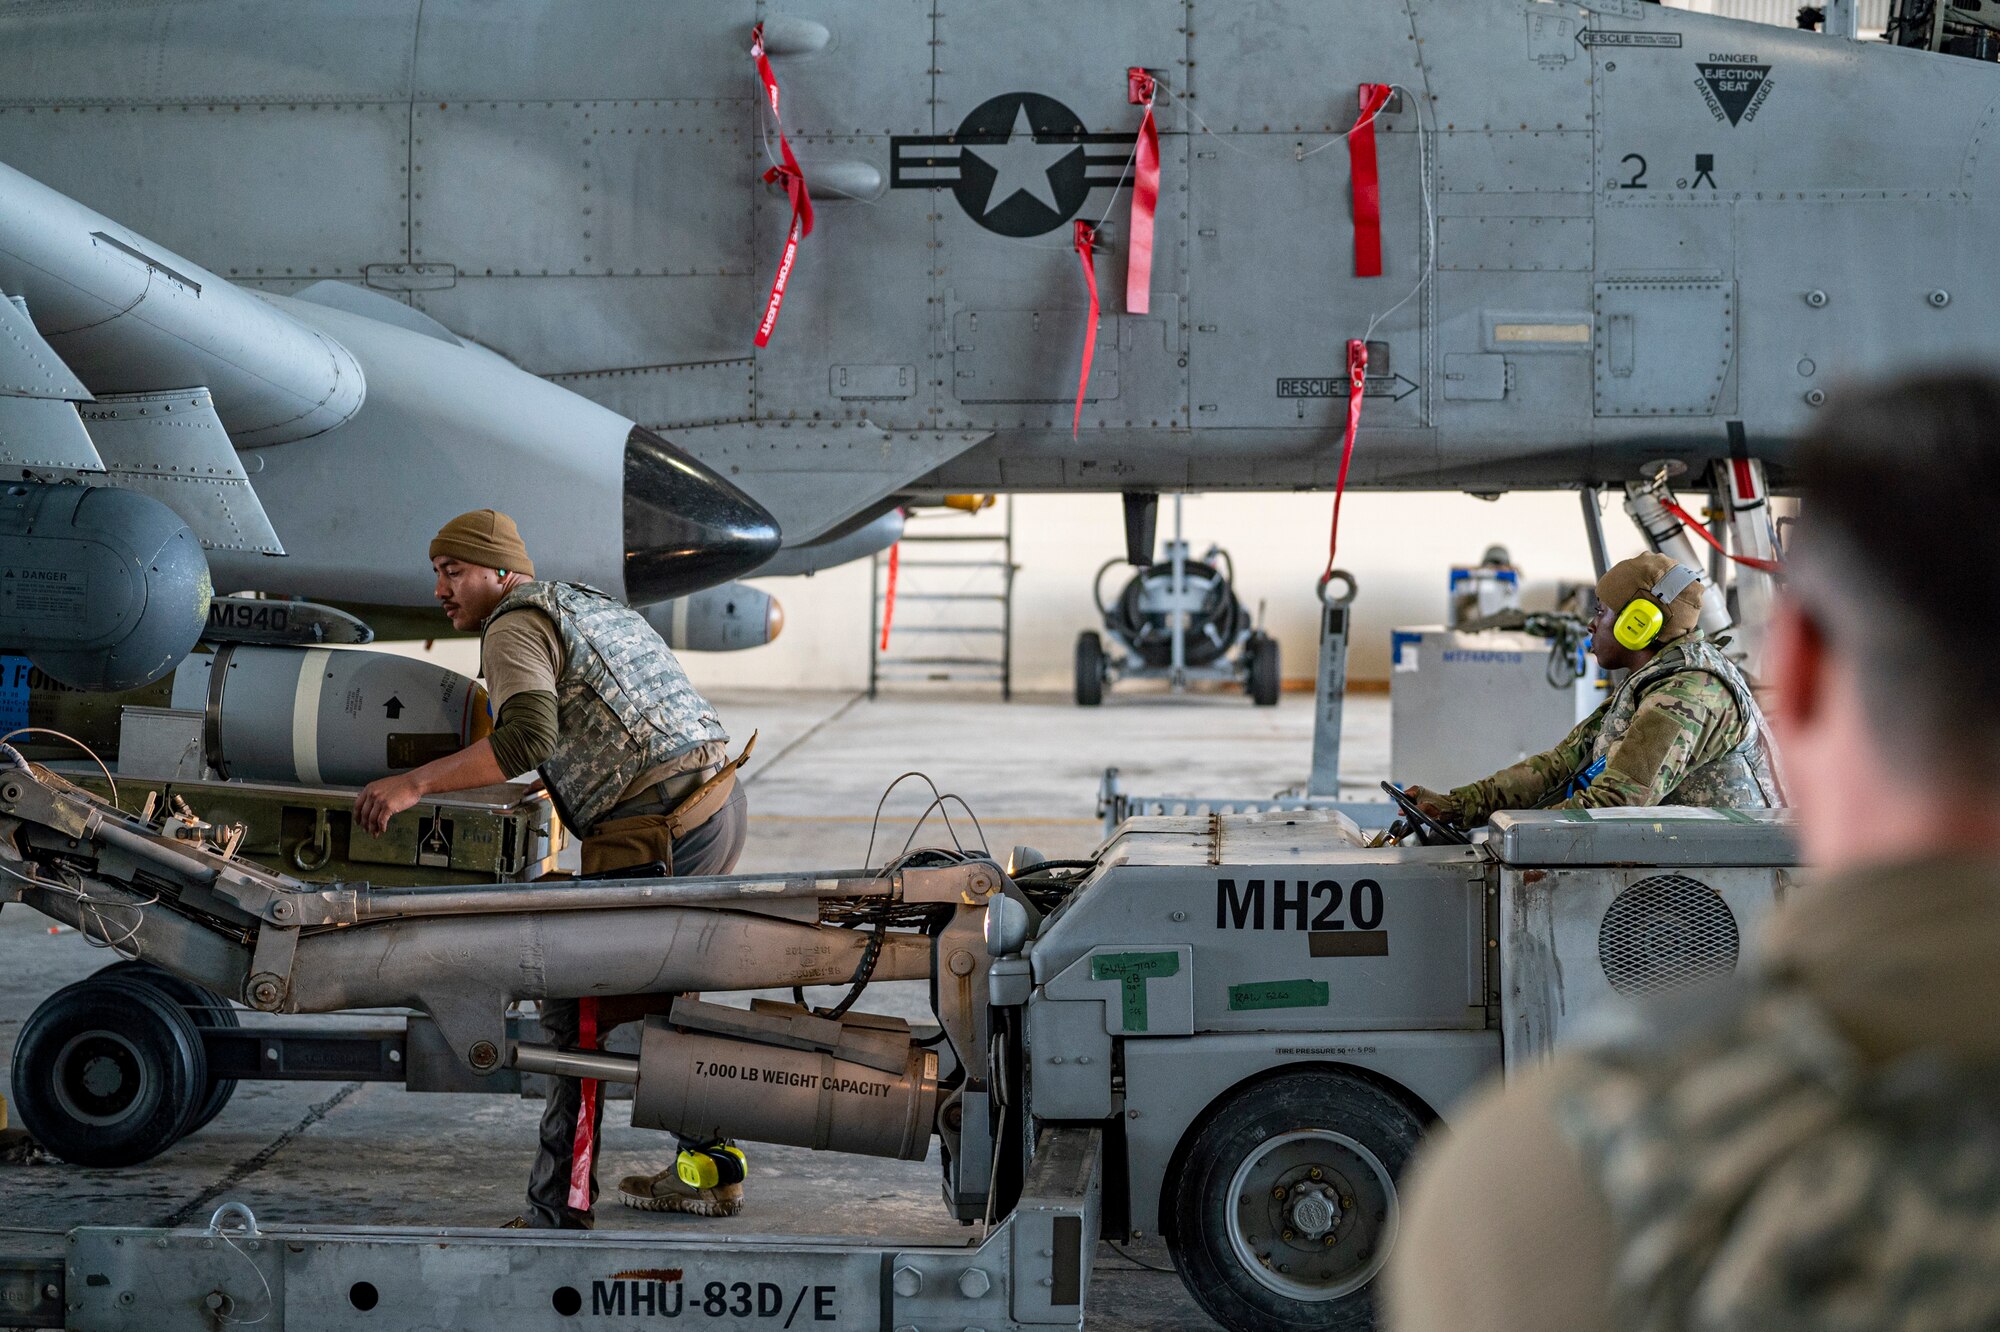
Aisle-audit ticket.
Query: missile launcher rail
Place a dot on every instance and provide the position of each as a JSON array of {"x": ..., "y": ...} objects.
[{"x": 492, "y": 834}]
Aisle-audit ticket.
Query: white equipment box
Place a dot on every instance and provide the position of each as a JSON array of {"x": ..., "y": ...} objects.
[{"x": 1465, "y": 705}]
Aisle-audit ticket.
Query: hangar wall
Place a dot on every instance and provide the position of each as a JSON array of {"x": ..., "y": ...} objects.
[{"x": 1399, "y": 547}]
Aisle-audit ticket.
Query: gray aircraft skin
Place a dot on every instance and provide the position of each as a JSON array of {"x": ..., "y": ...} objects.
[{"x": 1633, "y": 225}]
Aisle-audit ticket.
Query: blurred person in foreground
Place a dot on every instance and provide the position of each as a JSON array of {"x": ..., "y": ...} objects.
[{"x": 1816, "y": 1146}]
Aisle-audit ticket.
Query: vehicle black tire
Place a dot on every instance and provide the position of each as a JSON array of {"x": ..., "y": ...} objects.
[
  {"x": 1265, "y": 677},
  {"x": 1089, "y": 669},
  {"x": 1333, "y": 1144},
  {"x": 108, "y": 1072},
  {"x": 209, "y": 1011}
]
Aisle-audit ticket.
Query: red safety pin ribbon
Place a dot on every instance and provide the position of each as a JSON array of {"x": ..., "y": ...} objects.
[
  {"x": 1140, "y": 89},
  {"x": 889, "y": 595},
  {"x": 1700, "y": 529},
  {"x": 1086, "y": 239},
  {"x": 1367, "y": 188},
  {"x": 1357, "y": 383},
  {"x": 584, "y": 1150},
  {"x": 793, "y": 178},
  {"x": 764, "y": 69}
]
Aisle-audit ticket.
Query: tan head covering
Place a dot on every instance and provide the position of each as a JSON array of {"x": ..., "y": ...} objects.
[
  {"x": 484, "y": 536},
  {"x": 1635, "y": 577}
]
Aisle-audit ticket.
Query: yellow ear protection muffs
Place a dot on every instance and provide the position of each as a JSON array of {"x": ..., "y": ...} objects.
[{"x": 1640, "y": 622}]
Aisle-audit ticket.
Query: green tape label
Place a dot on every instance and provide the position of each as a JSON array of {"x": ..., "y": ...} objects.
[
  {"x": 1132, "y": 971},
  {"x": 1278, "y": 994}
]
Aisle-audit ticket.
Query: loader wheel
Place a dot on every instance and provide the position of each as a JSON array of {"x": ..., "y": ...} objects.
[
  {"x": 108, "y": 1072},
  {"x": 1089, "y": 669},
  {"x": 1284, "y": 1207},
  {"x": 208, "y": 1010},
  {"x": 1265, "y": 681}
]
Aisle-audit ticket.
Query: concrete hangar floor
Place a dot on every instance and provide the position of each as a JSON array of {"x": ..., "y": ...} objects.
[{"x": 374, "y": 1154}]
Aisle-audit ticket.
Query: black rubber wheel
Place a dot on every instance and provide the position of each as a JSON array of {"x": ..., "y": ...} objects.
[
  {"x": 1211, "y": 630},
  {"x": 1265, "y": 677},
  {"x": 209, "y": 1010},
  {"x": 108, "y": 1072},
  {"x": 1089, "y": 669},
  {"x": 1284, "y": 1207}
]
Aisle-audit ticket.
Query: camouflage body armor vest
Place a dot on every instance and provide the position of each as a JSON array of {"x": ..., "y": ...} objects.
[
  {"x": 623, "y": 704},
  {"x": 1762, "y": 1179},
  {"x": 1741, "y": 779}
]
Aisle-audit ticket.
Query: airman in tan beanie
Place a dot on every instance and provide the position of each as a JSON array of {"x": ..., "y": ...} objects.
[
  {"x": 485, "y": 537},
  {"x": 588, "y": 695}
]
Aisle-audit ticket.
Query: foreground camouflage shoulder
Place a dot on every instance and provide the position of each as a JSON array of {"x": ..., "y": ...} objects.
[{"x": 1762, "y": 1180}]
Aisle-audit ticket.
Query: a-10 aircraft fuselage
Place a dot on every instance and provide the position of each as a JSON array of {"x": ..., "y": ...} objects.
[{"x": 1636, "y": 225}]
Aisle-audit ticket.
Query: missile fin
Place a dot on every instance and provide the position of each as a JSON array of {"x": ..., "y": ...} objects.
[
  {"x": 44, "y": 435},
  {"x": 172, "y": 447},
  {"x": 29, "y": 367}
]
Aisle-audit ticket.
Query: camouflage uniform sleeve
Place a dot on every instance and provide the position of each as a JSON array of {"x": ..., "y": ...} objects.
[
  {"x": 1688, "y": 720},
  {"x": 1528, "y": 783}
]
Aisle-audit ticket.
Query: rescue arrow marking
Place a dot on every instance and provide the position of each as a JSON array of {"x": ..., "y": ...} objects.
[{"x": 1592, "y": 37}]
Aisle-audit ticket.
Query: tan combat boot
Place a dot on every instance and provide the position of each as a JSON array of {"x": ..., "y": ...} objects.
[{"x": 704, "y": 1182}]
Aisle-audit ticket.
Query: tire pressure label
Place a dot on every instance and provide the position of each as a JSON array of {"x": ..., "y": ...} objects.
[{"x": 668, "y": 1294}]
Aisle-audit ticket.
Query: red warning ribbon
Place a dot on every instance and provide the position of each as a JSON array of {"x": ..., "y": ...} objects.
[
  {"x": 584, "y": 1150},
  {"x": 1140, "y": 89},
  {"x": 1086, "y": 239},
  {"x": 1357, "y": 381},
  {"x": 794, "y": 181},
  {"x": 1367, "y": 190},
  {"x": 889, "y": 594},
  {"x": 1700, "y": 529}
]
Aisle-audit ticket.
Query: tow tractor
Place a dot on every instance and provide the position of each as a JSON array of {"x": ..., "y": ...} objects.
[{"x": 1227, "y": 1030}]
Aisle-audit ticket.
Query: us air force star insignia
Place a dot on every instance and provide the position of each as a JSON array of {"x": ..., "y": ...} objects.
[
  {"x": 1019, "y": 164},
  {"x": 1022, "y": 165}
]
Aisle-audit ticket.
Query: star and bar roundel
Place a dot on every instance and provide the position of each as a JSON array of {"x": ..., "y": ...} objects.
[{"x": 1020, "y": 163}]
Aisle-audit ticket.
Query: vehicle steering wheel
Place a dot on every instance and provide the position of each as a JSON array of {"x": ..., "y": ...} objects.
[{"x": 1430, "y": 831}]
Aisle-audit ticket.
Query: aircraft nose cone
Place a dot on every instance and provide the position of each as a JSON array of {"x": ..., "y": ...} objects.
[{"x": 686, "y": 528}]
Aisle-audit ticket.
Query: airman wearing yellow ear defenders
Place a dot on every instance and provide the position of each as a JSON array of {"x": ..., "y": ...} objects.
[{"x": 1683, "y": 728}]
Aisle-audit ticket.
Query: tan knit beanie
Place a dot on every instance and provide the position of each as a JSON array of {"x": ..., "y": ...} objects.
[
  {"x": 1635, "y": 577},
  {"x": 484, "y": 536}
]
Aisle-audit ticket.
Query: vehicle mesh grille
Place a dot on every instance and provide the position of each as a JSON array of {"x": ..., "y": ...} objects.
[{"x": 1666, "y": 933}]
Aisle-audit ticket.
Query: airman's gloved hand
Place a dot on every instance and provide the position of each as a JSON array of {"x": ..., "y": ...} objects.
[{"x": 1440, "y": 807}]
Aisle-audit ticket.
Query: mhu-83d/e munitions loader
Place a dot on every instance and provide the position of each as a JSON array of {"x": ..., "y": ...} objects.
[{"x": 1229, "y": 1031}]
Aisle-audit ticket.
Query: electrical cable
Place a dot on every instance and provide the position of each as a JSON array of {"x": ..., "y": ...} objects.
[
  {"x": 49, "y": 730},
  {"x": 94, "y": 907},
  {"x": 938, "y": 804},
  {"x": 1137, "y": 1262},
  {"x": 1022, "y": 873},
  {"x": 875, "y": 824}
]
